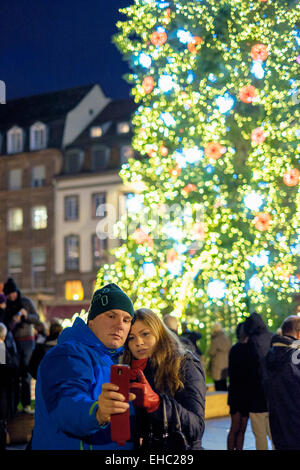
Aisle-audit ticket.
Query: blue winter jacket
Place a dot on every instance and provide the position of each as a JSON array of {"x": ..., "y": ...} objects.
[{"x": 69, "y": 381}]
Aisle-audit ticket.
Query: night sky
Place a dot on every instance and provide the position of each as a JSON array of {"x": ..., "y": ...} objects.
[{"x": 49, "y": 45}]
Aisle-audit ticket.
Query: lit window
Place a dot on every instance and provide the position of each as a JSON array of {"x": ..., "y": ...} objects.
[
  {"x": 15, "y": 179},
  {"x": 38, "y": 267},
  {"x": 15, "y": 139},
  {"x": 14, "y": 264},
  {"x": 99, "y": 248},
  {"x": 74, "y": 290},
  {"x": 123, "y": 127},
  {"x": 126, "y": 152},
  {"x": 38, "y": 136},
  {"x": 96, "y": 132},
  {"x": 38, "y": 176},
  {"x": 39, "y": 217},
  {"x": 71, "y": 208},
  {"x": 98, "y": 203},
  {"x": 15, "y": 219},
  {"x": 72, "y": 253}
]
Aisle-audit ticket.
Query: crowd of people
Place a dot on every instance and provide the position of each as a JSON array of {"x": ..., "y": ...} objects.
[
  {"x": 23, "y": 343},
  {"x": 75, "y": 399}
]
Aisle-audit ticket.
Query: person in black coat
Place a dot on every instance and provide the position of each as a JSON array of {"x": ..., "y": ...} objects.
[
  {"x": 21, "y": 316},
  {"x": 239, "y": 397},
  {"x": 164, "y": 375},
  {"x": 259, "y": 344},
  {"x": 282, "y": 385}
]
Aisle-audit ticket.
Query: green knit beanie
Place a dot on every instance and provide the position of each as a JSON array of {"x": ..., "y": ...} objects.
[{"x": 107, "y": 298}]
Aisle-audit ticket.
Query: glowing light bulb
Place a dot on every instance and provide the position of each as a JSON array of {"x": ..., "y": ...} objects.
[
  {"x": 256, "y": 284},
  {"x": 225, "y": 103},
  {"x": 253, "y": 201},
  {"x": 166, "y": 83},
  {"x": 257, "y": 69},
  {"x": 216, "y": 289}
]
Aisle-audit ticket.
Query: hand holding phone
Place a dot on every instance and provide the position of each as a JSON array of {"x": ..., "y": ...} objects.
[{"x": 119, "y": 423}]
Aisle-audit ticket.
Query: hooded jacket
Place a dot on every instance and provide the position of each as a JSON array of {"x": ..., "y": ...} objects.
[
  {"x": 282, "y": 386},
  {"x": 69, "y": 381},
  {"x": 259, "y": 344}
]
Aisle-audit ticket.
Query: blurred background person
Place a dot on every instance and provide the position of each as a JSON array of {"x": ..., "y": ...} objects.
[
  {"x": 259, "y": 343},
  {"x": 239, "y": 372},
  {"x": 218, "y": 357}
]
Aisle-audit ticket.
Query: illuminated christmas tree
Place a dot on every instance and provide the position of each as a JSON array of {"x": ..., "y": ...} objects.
[{"x": 211, "y": 231}]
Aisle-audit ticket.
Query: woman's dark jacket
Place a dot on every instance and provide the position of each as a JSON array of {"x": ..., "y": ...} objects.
[
  {"x": 259, "y": 343},
  {"x": 190, "y": 403}
]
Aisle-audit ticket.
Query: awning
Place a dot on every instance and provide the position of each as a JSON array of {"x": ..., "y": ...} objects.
[{"x": 64, "y": 311}]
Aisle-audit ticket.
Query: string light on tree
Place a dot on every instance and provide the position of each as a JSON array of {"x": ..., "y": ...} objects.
[{"x": 216, "y": 128}]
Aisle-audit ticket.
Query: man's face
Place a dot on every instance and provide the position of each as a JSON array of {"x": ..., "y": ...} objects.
[
  {"x": 12, "y": 296},
  {"x": 111, "y": 327}
]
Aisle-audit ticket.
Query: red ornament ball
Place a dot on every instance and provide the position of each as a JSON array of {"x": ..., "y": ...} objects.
[
  {"x": 262, "y": 221},
  {"x": 189, "y": 188},
  {"x": 259, "y": 52},
  {"x": 258, "y": 135},
  {"x": 192, "y": 46},
  {"x": 148, "y": 84},
  {"x": 291, "y": 177},
  {"x": 164, "y": 151},
  {"x": 214, "y": 150},
  {"x": 158, "y": 38},
  {"x": 248, "y": 93}
]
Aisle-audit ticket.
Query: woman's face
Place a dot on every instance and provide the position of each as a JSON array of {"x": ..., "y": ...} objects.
[{"x": 141, "y": 340}]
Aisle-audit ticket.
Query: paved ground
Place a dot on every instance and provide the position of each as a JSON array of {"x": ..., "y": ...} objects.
[
  {"x": 216, "y": 431},
  {"x": 215, "y": 436}
]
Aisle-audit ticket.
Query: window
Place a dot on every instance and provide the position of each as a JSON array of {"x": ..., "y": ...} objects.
[
  {"x": 99, "y": 248},
  {"x": 71, "y": 208},
  {"x": 98, "y": 199},
  {"x": 15, "y": 140},
  {"x": 39, "y": 217},
  {"x": 73, "y": 161},
  {"x": 38, "y": 176},
  {"x": 96, "y": 132},
  {"x": 74, "y": 290},
  {"x": 15, "y": 219},
  {"x": 38, "y": 267},
  {"x": 38, "y": 136},
  {"x": 72, "y": 253},
  {"x": 123, "y": 127},
  {"x": 14, "y": 264},
  {"x": 100, "y": 157},
  {"x": 126, "y": 152},
  {"x": 15, "y": 179}
]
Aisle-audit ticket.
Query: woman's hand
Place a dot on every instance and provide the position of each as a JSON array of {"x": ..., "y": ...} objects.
[
  {"x": 146, "y": 397},
  {"x": 111, "y": 402}
]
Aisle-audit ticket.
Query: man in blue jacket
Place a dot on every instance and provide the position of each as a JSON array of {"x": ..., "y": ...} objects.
[
  {"x": 74, "y": 399},
  {"x": 282, "y": 385}
]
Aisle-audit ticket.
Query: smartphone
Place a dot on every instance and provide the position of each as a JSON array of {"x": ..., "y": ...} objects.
[{"x": 120, "y": 423}]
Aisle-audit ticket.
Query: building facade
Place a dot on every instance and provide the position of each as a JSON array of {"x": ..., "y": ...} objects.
[{"x": 60, "y": 155}]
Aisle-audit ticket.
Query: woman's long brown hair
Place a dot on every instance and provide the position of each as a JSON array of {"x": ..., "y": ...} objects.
[{"x": 167, "y": 355}]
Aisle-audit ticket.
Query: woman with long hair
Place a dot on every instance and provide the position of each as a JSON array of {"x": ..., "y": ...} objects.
[{"x": 167, "y": 380}]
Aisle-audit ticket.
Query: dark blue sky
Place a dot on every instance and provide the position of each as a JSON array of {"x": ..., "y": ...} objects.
[{"x": 48, "y": 45}]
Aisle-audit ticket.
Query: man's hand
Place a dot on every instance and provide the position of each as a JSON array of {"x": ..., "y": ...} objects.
[
  {"x": 111, "y": 402},
  {"x": 24, "y": 312}
]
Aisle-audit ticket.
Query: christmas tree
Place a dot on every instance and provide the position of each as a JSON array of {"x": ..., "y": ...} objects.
[{"x": 210, "y": 230}]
